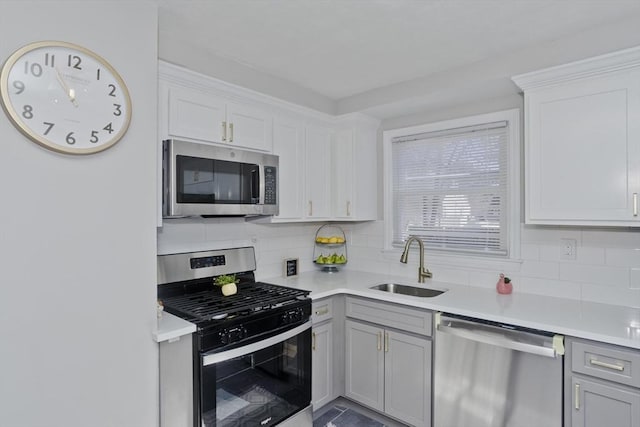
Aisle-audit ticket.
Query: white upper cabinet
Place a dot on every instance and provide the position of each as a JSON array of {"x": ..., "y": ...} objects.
[
  {"x": 199, "y": 115},
  {"x": 249, "y": 126},
  {"x": 355, "y": 161},
  {"x": 197, "y": 108},
  {"x": 582, "y": 142},
  {"x": 288, "y": 144},
  {"x": 317, "y": 173}
]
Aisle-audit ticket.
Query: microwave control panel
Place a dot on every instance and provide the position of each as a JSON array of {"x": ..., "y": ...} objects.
[{"x": 270, "y": 185}]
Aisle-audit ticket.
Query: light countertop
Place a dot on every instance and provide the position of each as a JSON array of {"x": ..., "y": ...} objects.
[
  {"x": 600, "y": 322},
  {"x": 171, "y": 328}
]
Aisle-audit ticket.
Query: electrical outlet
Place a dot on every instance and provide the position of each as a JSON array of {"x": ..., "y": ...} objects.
[{"x": 568, "y": 249}]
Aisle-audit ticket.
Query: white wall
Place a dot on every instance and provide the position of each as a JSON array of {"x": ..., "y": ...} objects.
[{"x": 77, "y": 240}]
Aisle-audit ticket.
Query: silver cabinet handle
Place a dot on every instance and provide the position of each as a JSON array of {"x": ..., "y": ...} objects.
[
  {"x": 313, "y": 337},
  {"x": 323, "y": 310},
  {"x": 230, "y": 132},
  {"x": 386, "y": 342},
  {"x": 576, "y": 401},
  {"x": 379, "y": 346},
  {"x": 635, "y": 204},
  {"x": 310, "y": 208},
  {"x": 613, "y": 366},
  {"x": 348, "y": 208},
  {"x": 224, "y": 131}
]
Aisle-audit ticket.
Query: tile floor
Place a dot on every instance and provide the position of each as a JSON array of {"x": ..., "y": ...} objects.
[{"x": 341, "y": 416}]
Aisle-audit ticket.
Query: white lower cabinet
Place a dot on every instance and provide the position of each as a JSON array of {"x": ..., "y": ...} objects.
[
  {"x": 321, "y": 365},
  {"x": 602, "y": 385},
  {"x": 386, "y": 369},
  {"x": 598, "y": 404},
  {"x": 364, "y": 361},
  {"x": 326, "y": 369}
]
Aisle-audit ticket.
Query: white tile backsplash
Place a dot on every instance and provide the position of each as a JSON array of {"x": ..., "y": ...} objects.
[
  {"x": 606, "y": 268},
  {"x": 595, "y": 274},
  {"x": 530, "y": 251},
  {"x": 634, "y": 278},
  {"x": 623, "y": 257},
  {"x": 612, "y": 238}
]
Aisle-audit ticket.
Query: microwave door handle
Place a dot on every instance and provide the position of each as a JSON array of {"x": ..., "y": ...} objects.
[
  {"x": 255, "y": 183},
  {"x": 210, "y": 359}
]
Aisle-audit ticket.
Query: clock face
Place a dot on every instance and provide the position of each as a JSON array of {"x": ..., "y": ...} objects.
[{"x": 65, "y": 97}]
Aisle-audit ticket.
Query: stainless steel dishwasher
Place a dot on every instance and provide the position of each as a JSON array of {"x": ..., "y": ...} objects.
[{"x": 492, "y": 375}]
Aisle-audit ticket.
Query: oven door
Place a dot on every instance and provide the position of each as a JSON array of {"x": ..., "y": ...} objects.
[{"x": 259, "y": 384}]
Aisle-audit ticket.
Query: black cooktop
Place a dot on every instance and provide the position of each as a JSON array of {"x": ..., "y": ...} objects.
[{"x": 199, "y": 302}]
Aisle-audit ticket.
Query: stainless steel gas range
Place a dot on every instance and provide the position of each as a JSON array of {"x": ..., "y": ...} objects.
[{"x": 249, "y": 361}]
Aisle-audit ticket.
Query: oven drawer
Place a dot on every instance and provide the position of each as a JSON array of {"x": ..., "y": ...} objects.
[
  {"x": 608, "y": 362},
  {"x": 322, "y": 310}
]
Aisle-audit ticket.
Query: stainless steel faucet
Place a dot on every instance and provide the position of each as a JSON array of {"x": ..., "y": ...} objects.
[{"x": 422, "y": 272}]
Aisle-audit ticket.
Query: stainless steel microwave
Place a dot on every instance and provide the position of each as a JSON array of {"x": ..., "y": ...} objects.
[{"x": 203, "y": 179}]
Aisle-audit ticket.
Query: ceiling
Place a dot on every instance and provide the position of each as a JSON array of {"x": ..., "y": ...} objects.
[{"x": 339, "y": 48}]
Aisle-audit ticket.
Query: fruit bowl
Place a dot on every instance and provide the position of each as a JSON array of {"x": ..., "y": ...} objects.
[
  {"x": 329, "y": 267},
  {"x": 330, "y": 249}
]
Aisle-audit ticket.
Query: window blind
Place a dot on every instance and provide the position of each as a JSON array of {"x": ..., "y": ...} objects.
[{"x": 450, "y": 188}]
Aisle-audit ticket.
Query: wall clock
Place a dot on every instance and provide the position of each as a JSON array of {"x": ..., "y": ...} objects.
[{"x": 65, "y": 97}]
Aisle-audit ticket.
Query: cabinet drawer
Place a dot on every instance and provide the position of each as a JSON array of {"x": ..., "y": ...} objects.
[
  {"x": 396, "y": 316},
  {"x": 608, "y": 362},
  {"x": 321, "y": 310}
]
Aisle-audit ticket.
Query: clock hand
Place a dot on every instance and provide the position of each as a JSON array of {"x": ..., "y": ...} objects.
[{"x": 70, "y": 92}]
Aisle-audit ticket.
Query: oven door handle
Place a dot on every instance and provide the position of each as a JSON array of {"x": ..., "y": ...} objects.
[{"x": 210, "y": 359}]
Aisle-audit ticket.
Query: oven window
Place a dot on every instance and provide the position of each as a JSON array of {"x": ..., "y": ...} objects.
[
  {"x": 208, "y": 181},
  {"x": 258, "y": 389}
]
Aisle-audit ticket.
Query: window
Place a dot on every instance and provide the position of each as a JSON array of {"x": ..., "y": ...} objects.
[{"x": 455, "y": 184}]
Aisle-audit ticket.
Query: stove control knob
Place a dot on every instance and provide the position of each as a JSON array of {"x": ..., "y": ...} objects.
[
  {"x": 224, "y": 337},
  {"x": 285, "y": 318}
]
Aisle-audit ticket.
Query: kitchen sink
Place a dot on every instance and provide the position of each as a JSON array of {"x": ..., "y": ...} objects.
[{"x": 414, "y": 291}]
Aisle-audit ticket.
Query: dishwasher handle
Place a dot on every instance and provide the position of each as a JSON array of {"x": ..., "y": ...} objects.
[{"x": 513, "y": 339}]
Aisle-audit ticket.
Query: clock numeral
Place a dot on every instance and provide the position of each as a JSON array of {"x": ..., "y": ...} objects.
[
  {"x": 49, "y": 127},
  {"x": 94, "y": 136},
  {"x": 27, "y": 112},
  {"x": 108, "y": 128},
  {"x": 35, "y": 69},
  {"x": 70, "y": 139},
  {"x": 98, "y": 74},
  {"x": 118, "y": 111},
  {"x": 18, "y": 85},
  {"x": 49, "y": 60},
  {"x": 112, "y": 92},
  {"x": 74, "y": 62}
]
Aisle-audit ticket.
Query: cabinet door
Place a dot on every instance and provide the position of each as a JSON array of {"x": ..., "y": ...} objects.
[
  {"x": 582, "y": 155},
  {"x": 364, "y": 364},
  {"x": 288, "y": 144},
  {"x": 322, "y": 366},
  {"x": 249, "y": 127},
  {"x": 407, "y": 378},
  {"x": 342, "y": 174},
  {"x": 195, "y": 115},
  {"x": 318, "y": 172},
  {"x": 595, "y": 404}
]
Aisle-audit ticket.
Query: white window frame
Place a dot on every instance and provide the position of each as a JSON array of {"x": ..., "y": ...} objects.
[{"x": 512, "y": 116}]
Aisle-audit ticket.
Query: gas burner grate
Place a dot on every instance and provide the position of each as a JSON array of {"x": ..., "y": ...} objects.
[{"x": 212, "y": 305}]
